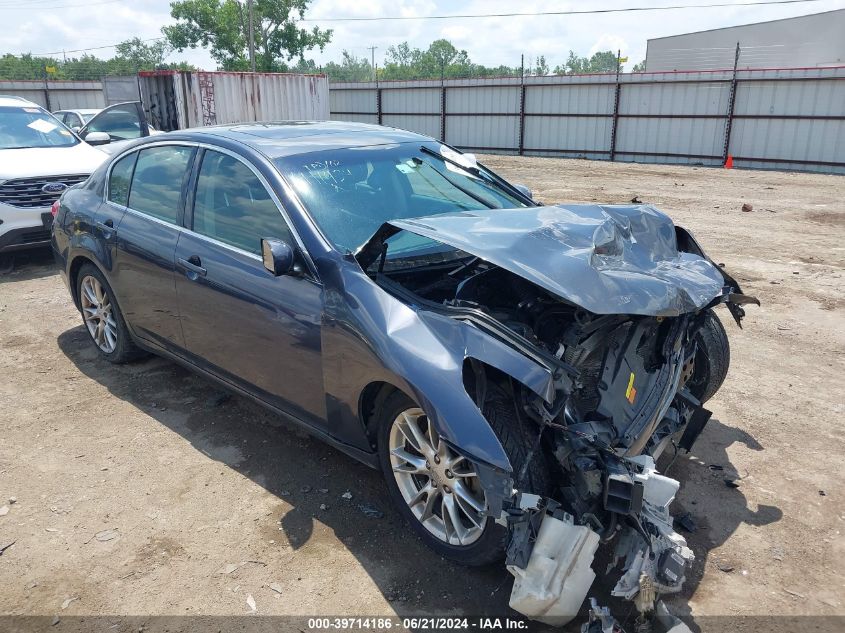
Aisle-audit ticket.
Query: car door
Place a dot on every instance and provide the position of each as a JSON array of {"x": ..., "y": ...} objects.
[
  {"x": 122, "y": 122},
  {"x": 252, "y": 328},
  {"x": 147, "y": 236}
]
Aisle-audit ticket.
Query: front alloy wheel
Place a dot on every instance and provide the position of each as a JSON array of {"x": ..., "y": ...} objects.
[
  {"x": 440, "y": 487},
  {"x": 97, "y": 313}
]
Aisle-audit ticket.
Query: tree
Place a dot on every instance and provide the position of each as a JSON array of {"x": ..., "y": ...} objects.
[
  {"x": 541, "y": 68},
  {"x": 639, "y": 68},
  {"x": 141, "y": 55},
  {"x": 351, "y": 68},
  {"x": 223, "y": 26},
  {"x": 601, "y": 62}
]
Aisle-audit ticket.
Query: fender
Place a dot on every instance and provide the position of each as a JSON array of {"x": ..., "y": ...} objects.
[{"x": 418, "y": 352}]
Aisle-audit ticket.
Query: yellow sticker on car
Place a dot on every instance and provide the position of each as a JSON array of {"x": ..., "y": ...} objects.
[{"x": 630, "y": 392}]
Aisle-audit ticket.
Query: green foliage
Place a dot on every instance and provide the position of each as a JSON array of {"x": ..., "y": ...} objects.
[
  {"x": 440, "y": 59},
  {"x": 639, "y": 68},
  {"x": 601, "y": 62},
  {"x": 222, "y": 26},
  {"x": 541, "y": 67},
  {"x": 142, "y": 54},
  {"x": 132, "y": 55},
  {"x": 350, "y": 68}
]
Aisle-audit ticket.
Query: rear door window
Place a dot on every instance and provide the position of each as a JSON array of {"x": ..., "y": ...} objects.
[
  {"x": 121, "y": 175},
  {"x": 232, "y": 206},
  {"x": 157, "y": 185}
]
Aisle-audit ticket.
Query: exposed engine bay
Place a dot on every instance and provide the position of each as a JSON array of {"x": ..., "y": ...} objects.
[{"x": 625, "y": 391}]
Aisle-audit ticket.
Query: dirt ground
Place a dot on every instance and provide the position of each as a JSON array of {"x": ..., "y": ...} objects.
[{"x": 143, "y": 490}]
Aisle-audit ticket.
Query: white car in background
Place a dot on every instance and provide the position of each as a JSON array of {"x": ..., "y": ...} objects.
[
  {"x": 39, "y": 159},
  {"x": 75, "y": 119}
]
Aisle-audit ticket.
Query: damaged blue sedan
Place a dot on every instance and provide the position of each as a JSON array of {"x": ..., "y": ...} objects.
[{"x": 514, "y": 369}]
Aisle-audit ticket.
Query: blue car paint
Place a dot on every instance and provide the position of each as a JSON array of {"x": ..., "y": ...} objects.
[{"x": 357, "y": 333}]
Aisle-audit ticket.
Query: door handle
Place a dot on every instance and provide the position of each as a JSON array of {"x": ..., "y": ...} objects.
[
  {"x": 107, "y": 227},
  {"x": 193, "y": 265}
]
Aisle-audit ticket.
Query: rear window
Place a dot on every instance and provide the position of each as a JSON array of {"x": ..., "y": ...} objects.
[
  {"x": 159, "y": 177},
  {"x": 121, "y": 175},
  {"x": 24, "y": 126}
]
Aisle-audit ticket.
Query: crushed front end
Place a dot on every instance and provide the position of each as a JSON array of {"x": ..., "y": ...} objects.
[{"x": 615, "y": 303}]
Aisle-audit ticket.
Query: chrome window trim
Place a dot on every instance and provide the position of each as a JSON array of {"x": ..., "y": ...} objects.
[{"x": 214, "y": 148}]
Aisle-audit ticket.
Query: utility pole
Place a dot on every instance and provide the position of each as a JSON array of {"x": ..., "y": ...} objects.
[
  {"x": 251, "y": 36},
  {"x": 373, "y": 59}
]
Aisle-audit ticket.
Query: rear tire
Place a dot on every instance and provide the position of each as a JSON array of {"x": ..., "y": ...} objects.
[
  {"x": 489, "y": 546},
  {"x": 102, "y": 317},
  {"x": 712, "y": 359}
]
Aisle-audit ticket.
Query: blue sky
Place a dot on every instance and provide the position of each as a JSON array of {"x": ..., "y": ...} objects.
[{"x": 40, "y": 26}]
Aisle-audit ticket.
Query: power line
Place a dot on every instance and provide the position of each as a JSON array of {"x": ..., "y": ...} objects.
[
  {"x": 83, "y": 50},
  {"x": 397, "y": 18}
]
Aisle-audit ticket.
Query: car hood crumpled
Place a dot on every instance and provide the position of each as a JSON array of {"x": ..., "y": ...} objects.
[{"x": 608, "y": 259}]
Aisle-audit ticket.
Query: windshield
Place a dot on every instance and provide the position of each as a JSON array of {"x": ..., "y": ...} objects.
[
  {"x": 350, "y": 193},
  {"x": 32, "y": 127}
]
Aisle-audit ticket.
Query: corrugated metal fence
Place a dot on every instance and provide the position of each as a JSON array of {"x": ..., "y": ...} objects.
[
  {"x": 784, "y": 119},
  {"x": 57, "y": 95},
  {"x": 71, "y": 95}
]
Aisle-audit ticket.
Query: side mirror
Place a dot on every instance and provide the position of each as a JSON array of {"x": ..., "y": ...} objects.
[
  {"x": 278, "y": 257},
  {"x": 525, "y": 191},
  {"x": 76, "y": 128},
  {"x": 97, "y": 138}
]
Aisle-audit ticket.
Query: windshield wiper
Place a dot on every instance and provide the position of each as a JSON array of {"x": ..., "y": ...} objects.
[
  {"x": 480, "y": 199},
  {"x": 484, "y": 175}
]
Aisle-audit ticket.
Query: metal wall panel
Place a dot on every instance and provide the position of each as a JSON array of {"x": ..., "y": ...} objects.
[
  {"x": 120, "y": 89},
  {"x": 411, "y": 101},
  {"x": 422, "y": 124},
  {"x": 815, "y": 98},
  {"x": 790, "y": 139},
  {"x": 593, "y": 99},
  {"x": 57, "y": 95},
  {"x": 357, "y": 118},
  {"x": 352, "y": 100},
  {"x": 574, "y": 134},
  {"x": 675, "y": 98},
  {"x": 692, "y": 137},
  {"x": 482, "y": 131},
  {"x": 485, "y": 99},
  {"x": 786, "y": 116}
]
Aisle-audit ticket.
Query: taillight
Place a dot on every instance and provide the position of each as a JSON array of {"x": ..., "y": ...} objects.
[{"x": 54, "y": 209}]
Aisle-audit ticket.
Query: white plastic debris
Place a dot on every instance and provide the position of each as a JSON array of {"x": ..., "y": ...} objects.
[
  {"x": 251, "y": 602},
  {"x": 555, "y": 582}
]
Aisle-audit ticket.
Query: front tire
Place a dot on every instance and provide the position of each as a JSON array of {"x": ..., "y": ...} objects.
[
  {"x": 712, "y": 359},
  {"x": 102, "y": 317},
  {"x": 436, "y": 489}
]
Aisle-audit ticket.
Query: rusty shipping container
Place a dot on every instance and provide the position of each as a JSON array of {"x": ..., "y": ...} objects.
[{"x": 175, "y": 100}]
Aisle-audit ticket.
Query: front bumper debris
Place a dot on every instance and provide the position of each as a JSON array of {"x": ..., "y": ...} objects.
[
  {"x": 557, "y": 577},
  {"x": 550, "y": 555}
]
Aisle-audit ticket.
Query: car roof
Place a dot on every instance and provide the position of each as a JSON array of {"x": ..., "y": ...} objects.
[
  {"x": 13, "y": 101},
  {"x": 288, "y": 138},
  {"x": 80, "y": 110}
]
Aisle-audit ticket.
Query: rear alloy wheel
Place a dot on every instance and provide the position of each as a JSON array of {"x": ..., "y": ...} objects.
[
  {"x": 435, "y": 488},
  {"x": 102, "y": 316},
  {"x": 97, "y": 314}
]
